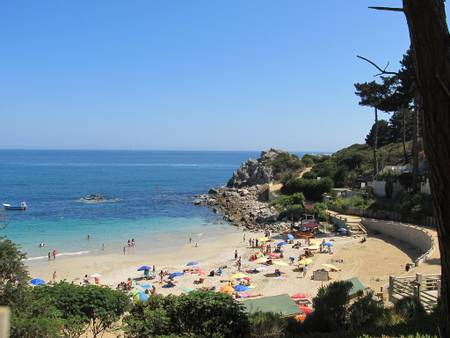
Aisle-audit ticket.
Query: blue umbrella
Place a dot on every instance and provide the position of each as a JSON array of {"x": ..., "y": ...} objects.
[
  {"x": 176, "y": 274},
  {"x": 144, "y": 268},
  {"x": 327, "y": 244},
  {"x": 37, "y": 281},
  {"x": 240, "y": 288},
  {"x": 146, "y": 286},
  {"x": 142, "y": 296},
  {"x": 290, "y": 236},
  {"x": 193, "y": 263},
  {"x": 282, "y": 243}
]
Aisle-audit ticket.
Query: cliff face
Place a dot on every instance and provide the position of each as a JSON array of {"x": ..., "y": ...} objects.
[{"x": 255, "y": 172}]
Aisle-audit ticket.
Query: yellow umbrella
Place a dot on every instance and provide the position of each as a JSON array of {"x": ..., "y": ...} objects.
[
  {"x": 315, "y": 241},
  {"x": 280, "y": 263},
  {"x": 305, "y": 261},
  {"x": 239, "y": 275},
  {"x": 263, "y": 239},
  {"x": 261, "y": 260}
]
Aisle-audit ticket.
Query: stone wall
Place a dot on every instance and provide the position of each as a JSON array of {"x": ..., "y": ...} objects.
[{"x": 413, "y": 235}]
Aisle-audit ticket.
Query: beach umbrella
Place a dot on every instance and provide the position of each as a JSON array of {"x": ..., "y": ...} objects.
[
  {"x": 141, "y": 297},
  {"x": 176, "y": 274},
  {"x": 315, "y": 241},
  {"x": 299, "y": 296},
  {"x": 240, "y": 288},
  {"x": 37, "y": 281},
  {"x": 227, "y": 289},
  {"x": 328, "y": 244},
  {"x": 263, "y": 239},
  {"x": 192, "y": 263},
  {"x": 290, "y": 236},
  {"x": 146, "y": 286},
  {"x": 144, "y": 268},
  {"x": 96, "y": 275},
  {"x": 305, "y": 261},
  {"x": 280, "y": 263},
  {"x": 239, "y": 275},
  {"x": 282, "y": 243}
]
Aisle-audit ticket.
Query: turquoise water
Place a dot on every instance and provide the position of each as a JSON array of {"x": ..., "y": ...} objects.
[{"x": 154, "y": 192}]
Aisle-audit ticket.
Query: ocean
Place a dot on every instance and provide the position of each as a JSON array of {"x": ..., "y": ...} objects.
[{"x": 152, "y": 191}]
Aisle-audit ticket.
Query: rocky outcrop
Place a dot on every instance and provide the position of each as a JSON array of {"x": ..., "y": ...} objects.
[
  {"x": 255, "y": 172},
  {"x": 243, "y": 207}
]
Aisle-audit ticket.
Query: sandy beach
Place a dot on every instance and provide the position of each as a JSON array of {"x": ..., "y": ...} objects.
[{"x": 372, "y": 262}]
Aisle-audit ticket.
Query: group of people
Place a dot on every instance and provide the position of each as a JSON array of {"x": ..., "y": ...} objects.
[
  {"x": 51, "y": 254},
  {"x": 130, "y": 244}
]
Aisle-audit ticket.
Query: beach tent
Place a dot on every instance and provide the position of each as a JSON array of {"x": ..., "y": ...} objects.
[
  {"x": 140, "y": 297},
  {"x": 144, "y": 268},
  {"x": 281, "y": 304}
]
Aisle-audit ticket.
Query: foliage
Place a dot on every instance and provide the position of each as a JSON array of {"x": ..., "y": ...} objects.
[
  {"x": 311, "y": 188},
  {"x": 409, "y": 308},
  {"x": 329, "y": 308},
  {"x": 13, "y": 275},
  {"x": 354, "y": 202},
  {"x": 284, "y": 164},
  {"x": 198, "y": 313},
  {"x": 320, "y": 211},
  {"x": 384, "y": 134},
  {"x": 36, "y": 318},
  {"x": 288, "y": 200},
  {"x": 267, "y": 324},
  {"x": 366, "y": 311},
  {"x": 85, "y": 307}
]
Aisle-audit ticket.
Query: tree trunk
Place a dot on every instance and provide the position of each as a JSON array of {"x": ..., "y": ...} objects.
[
  {"x": 405, "y": 154},
  {"x": 430, "y": 42},
  {"x": 415, "y": 149},
  {"x": 375, "y": 145}
]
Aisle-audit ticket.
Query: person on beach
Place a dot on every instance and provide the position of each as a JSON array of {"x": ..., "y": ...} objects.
[
  {"x": 154, "y": 269},
  {"x": 249, "y": 242},
  {"x": 153, "y": 291},
  {"x": 161, "y": 276},
  {"x": 235, "y": 254},
  {"x": 54, "y": 276},
  {"x": 196, "y": 244},
  {"x": 256, "y": 242},
  {"x": 54, "y": 254},
  {"x": 88, "y": 237},
  {"x": 124, "y": 250},
  {"x": 129, "y": 243},
  {"x": 243, "y": 238},
  {"x": 190, "y": 240},
  {"x": 86, "y": 279},
  {"x": 103, "y": 246},
  {"x": 49, "y": 255},
  {"x": 305, "y": 270},
  {"x": 133, "y": 243}
]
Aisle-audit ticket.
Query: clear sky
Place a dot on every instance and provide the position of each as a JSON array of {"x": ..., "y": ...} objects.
[{"x": 190, "y": 74}]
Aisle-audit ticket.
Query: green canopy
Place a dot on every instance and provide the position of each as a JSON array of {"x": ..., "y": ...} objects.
[
  {"x": 282, "y": 304},
  {"x": 357, "y": 286}
]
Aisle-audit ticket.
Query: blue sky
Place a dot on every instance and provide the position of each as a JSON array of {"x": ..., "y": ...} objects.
[{"x": 190, "y": 74}]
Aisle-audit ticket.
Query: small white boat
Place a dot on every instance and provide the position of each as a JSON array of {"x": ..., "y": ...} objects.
[{"x": 21, "y": 207}]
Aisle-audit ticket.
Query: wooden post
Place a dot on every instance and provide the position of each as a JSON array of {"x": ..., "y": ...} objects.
[
  {"x": 391, "y": 289},
  {"x": 4, "y": 322}
]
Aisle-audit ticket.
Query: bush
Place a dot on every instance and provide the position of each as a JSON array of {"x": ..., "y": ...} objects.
[
  {"x": 311, "y": 189},
  {"x": 330, "y": 308},
  {"x": 320, "y": 212},
  {"x": 266, "y": 324},
  {"x": 365, "y": 312},
  {"x": 285, "y": 163},
  {"x": 196, "y": 314}
]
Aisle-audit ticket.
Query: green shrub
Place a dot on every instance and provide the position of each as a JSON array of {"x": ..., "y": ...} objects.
[
  {"x": 285, "y": 163},
  {"x": 196, "y": 314},
  {"x": 311, "y": 189},
  {"x": 267, "y": 324},
  {"x": 366, "y": 311}
]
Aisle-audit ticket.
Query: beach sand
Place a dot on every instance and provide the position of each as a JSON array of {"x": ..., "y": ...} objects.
[{"x": 372, "y": 262}]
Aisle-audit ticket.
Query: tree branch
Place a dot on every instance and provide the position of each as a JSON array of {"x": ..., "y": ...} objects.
[
  {"x": 391, "y": 9},
  {"x": 381, "y": 70}
]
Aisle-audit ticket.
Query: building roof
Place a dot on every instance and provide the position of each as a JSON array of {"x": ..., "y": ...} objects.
[{"x": 282, "y": 304}]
